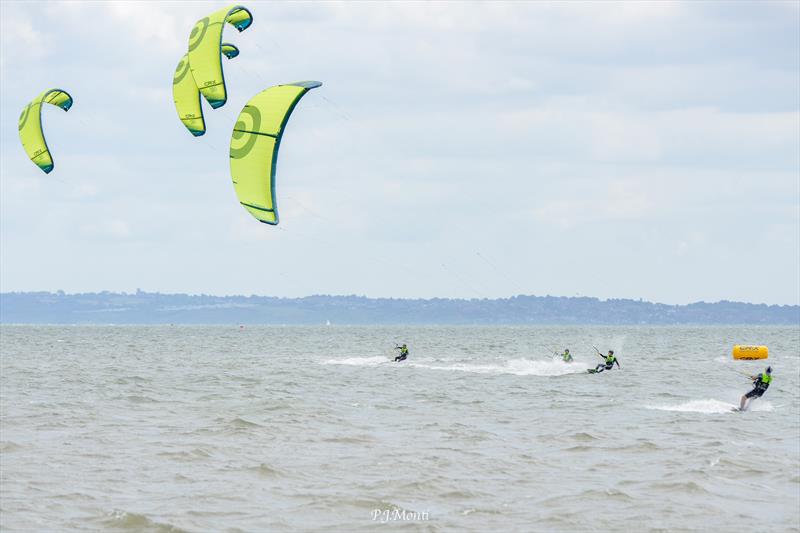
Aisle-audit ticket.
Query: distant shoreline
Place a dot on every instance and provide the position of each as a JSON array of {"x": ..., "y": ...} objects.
[{"x": 146, "y": 308}]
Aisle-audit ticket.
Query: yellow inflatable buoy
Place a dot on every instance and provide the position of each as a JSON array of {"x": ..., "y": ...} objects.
[{"x": 750, "y": 352}]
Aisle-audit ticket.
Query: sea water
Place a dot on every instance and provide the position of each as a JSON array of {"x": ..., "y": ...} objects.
[{"x": 126, "y": 428}]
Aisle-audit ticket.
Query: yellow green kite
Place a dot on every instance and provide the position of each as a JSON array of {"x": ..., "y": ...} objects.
[
  {"x": 30, "y": 126},
  {"x": 205, "y": 41},
  {"x": 187, "y": 96},
  {"x": 254, "y": 146}
]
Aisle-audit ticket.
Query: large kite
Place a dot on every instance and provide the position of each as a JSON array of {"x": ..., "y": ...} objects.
[
  {"x": 187, "y": 96},
  {"x": 254, "y": 146},
  {"x": 30, "y": 126},
  {"x": 205, "y": 60}
]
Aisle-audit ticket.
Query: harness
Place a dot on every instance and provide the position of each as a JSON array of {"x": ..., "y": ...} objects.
[{"x": 763, "y": 381}]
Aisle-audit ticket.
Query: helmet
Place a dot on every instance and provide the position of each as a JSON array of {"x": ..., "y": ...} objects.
[
  {"x": 611, "y": 352},
  {"x": 566, "y": 350},
  {"x": 769, "y": 370}
]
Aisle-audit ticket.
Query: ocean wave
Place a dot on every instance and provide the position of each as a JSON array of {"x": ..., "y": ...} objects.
[
  {"x": 641, "y": 445},
  {"x": 241, "y": 423},
  {"x": 137, "y": 522},
  {"x": 8, "y": 446},
  {"x": 138, "y": 398},
  {"x": 606, "y": 495},
  {"x": 583, "y": 436},
  {"x": 682, "y": 487},
  {"x": 186, "y": 455},
  {"x": 265, "y": 470}
]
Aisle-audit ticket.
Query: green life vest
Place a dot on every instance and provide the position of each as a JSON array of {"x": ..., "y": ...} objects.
[
  {"x": 766, "y": 379},
  {"x": 610, "y": 360}
]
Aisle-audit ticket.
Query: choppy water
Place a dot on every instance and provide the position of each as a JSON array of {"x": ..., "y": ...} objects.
[{"x": 293, "y": 428}]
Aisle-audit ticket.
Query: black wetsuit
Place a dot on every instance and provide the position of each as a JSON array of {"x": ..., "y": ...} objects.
[
  {"x": 608, "y": 364},
  {"x": 760, "y": 386},
  {"x": 403, "y": 354}
]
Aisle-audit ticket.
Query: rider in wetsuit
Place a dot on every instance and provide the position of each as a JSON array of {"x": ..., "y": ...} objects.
[
  {"x": 608, "y": 364},
  {"x": 566, "y": 356},
  {"x": 760, "y": 385},
  {"x": 403, "y": 353}
]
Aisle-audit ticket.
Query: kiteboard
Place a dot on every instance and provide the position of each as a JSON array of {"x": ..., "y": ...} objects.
[{"x": 746, "y": 407}]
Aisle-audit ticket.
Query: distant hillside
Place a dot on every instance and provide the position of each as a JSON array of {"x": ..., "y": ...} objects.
[{"x": 156, "y": 308}]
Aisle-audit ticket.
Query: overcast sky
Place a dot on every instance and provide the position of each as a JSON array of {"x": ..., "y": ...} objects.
[{"x": 632, "y": 150}]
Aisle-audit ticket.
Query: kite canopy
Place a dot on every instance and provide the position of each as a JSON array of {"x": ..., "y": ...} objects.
[
  {"x": 254, "y": 146},
  {"x": 30, "y": 126},
  {"x": 187, "y": 96},
  {"x": 204, "y": 47}
]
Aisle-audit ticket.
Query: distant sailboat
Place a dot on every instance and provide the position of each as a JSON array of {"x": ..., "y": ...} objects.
[{"x": 327, "y": 322}]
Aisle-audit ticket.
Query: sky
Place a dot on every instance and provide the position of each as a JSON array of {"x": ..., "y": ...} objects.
[{"x": 458, "y": 150}]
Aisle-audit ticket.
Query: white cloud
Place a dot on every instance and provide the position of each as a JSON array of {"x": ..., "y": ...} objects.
[
  {"x": 638, "y": 131},
  {"x": 19, "y": 36}
]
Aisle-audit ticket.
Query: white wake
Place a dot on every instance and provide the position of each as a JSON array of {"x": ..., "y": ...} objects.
[
  {"x": 710, "y": 406},
  {"x": 358, "y": 361},
  {"x": 518, "y": 367}
]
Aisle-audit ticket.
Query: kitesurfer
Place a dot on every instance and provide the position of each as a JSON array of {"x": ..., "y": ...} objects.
[
  {"x": 566, "y": 356},
  {"x": 760, "y": 385},
  {"x": 608, "y": 364},
  {"x": 403, "y": 353}
]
